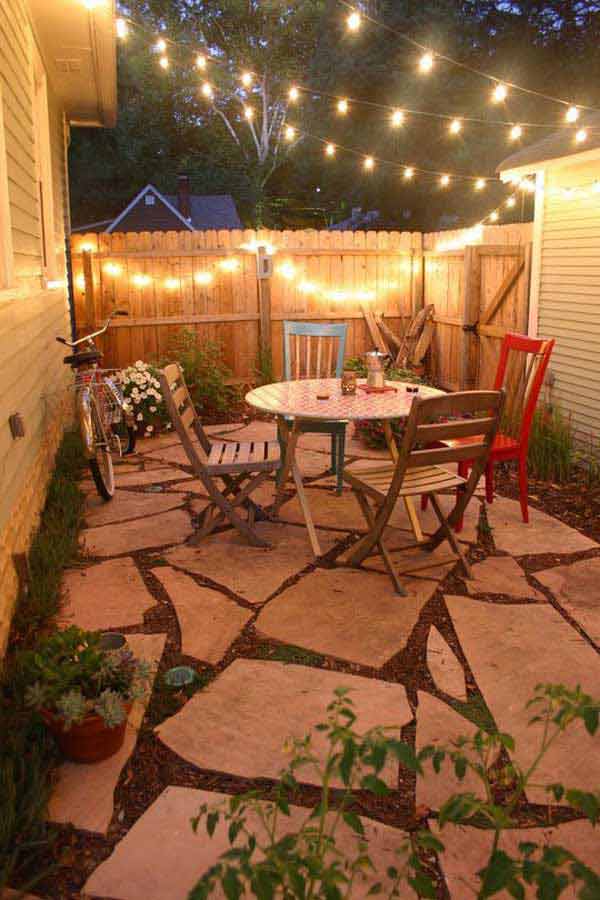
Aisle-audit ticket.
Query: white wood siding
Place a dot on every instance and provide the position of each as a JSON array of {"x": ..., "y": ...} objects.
[{"x": 569, "y": 300}]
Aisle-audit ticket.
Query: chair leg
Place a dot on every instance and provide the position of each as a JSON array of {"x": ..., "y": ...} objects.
[
  {"x": 386, "y": 556},
  {"x": 341, "y": 451},
  {"x": 523, "y": 488},
  {"x": 463, "y": 471},
  {"x": 424, "y": 501},
  {"x": 450, "y": 536},
  {"x": 489, "y": 482}
]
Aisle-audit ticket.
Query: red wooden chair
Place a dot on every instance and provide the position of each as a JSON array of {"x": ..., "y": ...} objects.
[{"x": 521, "y": 369}]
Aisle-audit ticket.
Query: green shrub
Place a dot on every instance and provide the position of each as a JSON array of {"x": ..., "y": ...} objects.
[
  {"x": 206, "y": 375},
  {"x": 272, "y": 855},
  {"x": 555, "y": 452}
]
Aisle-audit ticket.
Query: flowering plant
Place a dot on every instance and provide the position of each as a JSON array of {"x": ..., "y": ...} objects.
[{"x": 141, "y": 389}]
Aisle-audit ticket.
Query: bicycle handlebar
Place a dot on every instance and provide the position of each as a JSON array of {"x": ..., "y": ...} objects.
[{"x": 89, "y": 337}]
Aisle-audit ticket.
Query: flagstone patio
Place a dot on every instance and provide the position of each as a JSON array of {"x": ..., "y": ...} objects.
[{"x": 272, "y": 633}]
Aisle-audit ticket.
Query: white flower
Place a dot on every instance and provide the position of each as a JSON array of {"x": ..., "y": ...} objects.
[
  {"x": 158, "y": 396},
  {"x": 139, "y": 417},
  {"x": 168, "y": 426},
  {"x": 149, "y": 427},
  {"x": 139, "y": 364},
  {"x": 153, "y": 409}
]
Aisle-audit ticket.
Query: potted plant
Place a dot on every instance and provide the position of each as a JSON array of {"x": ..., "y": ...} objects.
[{"x": 83, "y": 692}]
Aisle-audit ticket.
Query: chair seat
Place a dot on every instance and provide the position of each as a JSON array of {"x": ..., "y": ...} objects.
[
  {"x": 247, "y": 456},
  {"x": 421, "y": 480},
  {"x": 502, "y": 444}
]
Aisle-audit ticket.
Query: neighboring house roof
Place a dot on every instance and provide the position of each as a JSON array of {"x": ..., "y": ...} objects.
[
  {"x": 558, "y": 145},
  {"x": 211, "y": 211},
  {"x": 358, "y": 221}
]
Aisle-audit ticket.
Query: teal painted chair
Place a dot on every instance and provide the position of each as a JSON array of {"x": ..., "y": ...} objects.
[{"x": 316, "y": 350}]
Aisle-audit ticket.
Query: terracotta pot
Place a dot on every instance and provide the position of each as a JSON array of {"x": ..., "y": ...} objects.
[{"x": 88, "y": 741}]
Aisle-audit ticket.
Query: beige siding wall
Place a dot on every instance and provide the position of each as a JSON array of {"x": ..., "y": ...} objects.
[
  {"x": 569, "y": 301},
  {"x": 32, "y": 378}
]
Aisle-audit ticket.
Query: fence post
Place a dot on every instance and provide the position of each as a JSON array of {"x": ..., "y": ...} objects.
[
  {"x": 264, "y": 271},
  {"x": 469, "y": 348},
  {"x": 88, "y": 279},
  {"x": 417, "y": 279}
]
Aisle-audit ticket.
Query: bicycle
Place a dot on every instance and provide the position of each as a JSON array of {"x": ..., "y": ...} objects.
[{"x": 105, "y": 421}]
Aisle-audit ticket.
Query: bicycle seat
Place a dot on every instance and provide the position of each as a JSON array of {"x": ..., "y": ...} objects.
[{"x": 85, "y": 358}]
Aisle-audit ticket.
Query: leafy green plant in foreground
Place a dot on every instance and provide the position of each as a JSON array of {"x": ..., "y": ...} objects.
[
  {"x": 284, "y": 851},
  {"x": 205, "y": 373}
]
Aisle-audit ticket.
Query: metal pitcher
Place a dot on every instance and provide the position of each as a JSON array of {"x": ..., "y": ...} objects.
[{"x": 375, "y": 369}]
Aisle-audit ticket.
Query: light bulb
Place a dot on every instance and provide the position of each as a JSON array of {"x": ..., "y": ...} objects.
[
  {"x": 500, "y": 93},
  {"x": 164, "y": 62},
  {"x": 369, "y": 163},
  {"x": 511, "y": 202},
  {"x": 229, "y": 265},
  {"x": 445, "y": 180},
  {"x": 480, "y": 184},
  {"x": 171, "y": 284},
  {"x": 409, "y": 172},
  {"x": 426, "y": 62},
  {"x": 494, "y": 216},
  {"x": 287, "y": 270},
  {"x": 141, "y": 280},
  {"x": 293, "y": 95},
  {"x": 342, "y": 107},
  {"x": 249, "y": 113},
  {"x": 516, "y": 132},
  {"x": 397, "y": 118},
  {"x": 353, "y": 21},
  {"x": 246, "y": 79},
  {"x": 121, "y": 28},
  {"x": 456, "y": 126},
  {"x": 581, "y": 136},
  {"x": 207, "y": 90},
  {"x": 203, "y": 278},
  {"x": 160, "y": 46},
  {"x": 330, "y": 150},
  {"x": 572, "y": 114},
  {"x": 112, "y": 269},
  {"x": 201, "y": 62},
  {"x": 290, "y": 133}
]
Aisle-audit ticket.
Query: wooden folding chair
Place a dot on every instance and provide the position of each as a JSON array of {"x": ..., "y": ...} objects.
[
  {"x": 241, "y": 467},
  {"x": 418, "y": 470}
]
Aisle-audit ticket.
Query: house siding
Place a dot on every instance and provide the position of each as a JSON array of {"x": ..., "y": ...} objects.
[
  {"x": 569, "y": 298},
  {"x": 33, "y": 379}
]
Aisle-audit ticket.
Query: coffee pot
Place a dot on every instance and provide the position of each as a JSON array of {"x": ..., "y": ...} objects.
[{"x": 375, "y": 369}]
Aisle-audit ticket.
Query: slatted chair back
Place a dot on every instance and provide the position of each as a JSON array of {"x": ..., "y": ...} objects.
[
  {"x": 184, "y": 417},
  {"x": 521, "y": 370},
  {"x": 313, "y": 350}
]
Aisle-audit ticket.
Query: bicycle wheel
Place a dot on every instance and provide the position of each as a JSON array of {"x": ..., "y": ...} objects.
[{"x": 101, "y": 465}]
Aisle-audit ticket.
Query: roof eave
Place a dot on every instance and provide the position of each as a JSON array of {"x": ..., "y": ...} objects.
[{"x": 542, "y": 165}]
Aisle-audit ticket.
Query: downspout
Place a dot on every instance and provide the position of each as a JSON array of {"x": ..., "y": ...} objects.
[{"x": 536, "y": 253}]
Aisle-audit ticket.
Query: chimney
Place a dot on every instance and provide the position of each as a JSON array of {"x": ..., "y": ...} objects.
[{"x": 183, "y": 196}]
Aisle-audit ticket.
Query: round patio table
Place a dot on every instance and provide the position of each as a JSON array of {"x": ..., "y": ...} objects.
[{"x": 322, "y": 398}]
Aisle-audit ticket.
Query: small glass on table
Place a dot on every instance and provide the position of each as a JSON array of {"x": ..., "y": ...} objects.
[{"x": 348, "y": 382}]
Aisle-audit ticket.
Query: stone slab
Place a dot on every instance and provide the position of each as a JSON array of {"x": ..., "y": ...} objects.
[
  {"x": 444, "y": 666},
  {"x": 467, "y": 850},
  {"x": 208, "y": 621},
  {"x": 513, "y": 648},
  {"x": 501, "y": 575},
  {"x": 84, "y": 793},
  {"x": 241, "y": 722},
  {"x": 439, "y": 724},
  {"x": 161, "y": 858},
  {"x": 128, "y": 505},
  {"x": 111, "y": 594},
  {"x": 347, "y": 613},
  {"x": 150, "y": 476},
  {"x": 172, "y": 527},
  {"x": 577, "y": 589},
  {"x": 543, "y": 533},
  {"x": 251, "y": 572}
]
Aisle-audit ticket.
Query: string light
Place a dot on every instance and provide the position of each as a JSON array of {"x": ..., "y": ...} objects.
[
  {"x": 112, "y": 269},
  {"x": 369, "y": 163},
  {"x": 290, "y": 133},
  {"x": 287, "y": 270},
  {"x": 572, "y": 114},
  {"x": 330, "y": 150},
  {"x": 203, "y": 278},
  {"x": 426, "y": 62},
  {"x": 80, "y": 283},
  {"x": 249, "y": 113},
  {"x": 293, "y": 94},
  {"x": 201, "y": 62},
  {"x": 511, "y": 202},
  {"x": 121, "y": 28},
  {"x": 308, "y": 287},
  {"x": 354, "y": 21},
  {"x": 86, "y": 248},
  {"x": 527, "y": 185},
  {"x": 516, "y": 132},
  {"x": 342, "y": 107},
  {"x": 500, "y": 93},
  {"x": 456, "y": 126},
  {"x": 494, "y": 216},
  {"x": 140, "y": 280},
  {"x": 445, "y": 180},
  {"x": 171, "y": 284},
  {"x": 581, "y": 136},
  {"x": 409, "y": 173},
  {"x": 207, "y": 90},
  {"x": 397, "y": 118},
  {"x": 246, "y": 79},
  {"x": 164, "y": 62},
  {"x": 160, "y": 46},
  {"x": 480, "y": 184},
  {"x": 229, "y": 265}
]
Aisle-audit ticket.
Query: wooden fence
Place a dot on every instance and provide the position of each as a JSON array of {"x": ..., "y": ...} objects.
[{"x": 209, "y": 282}]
